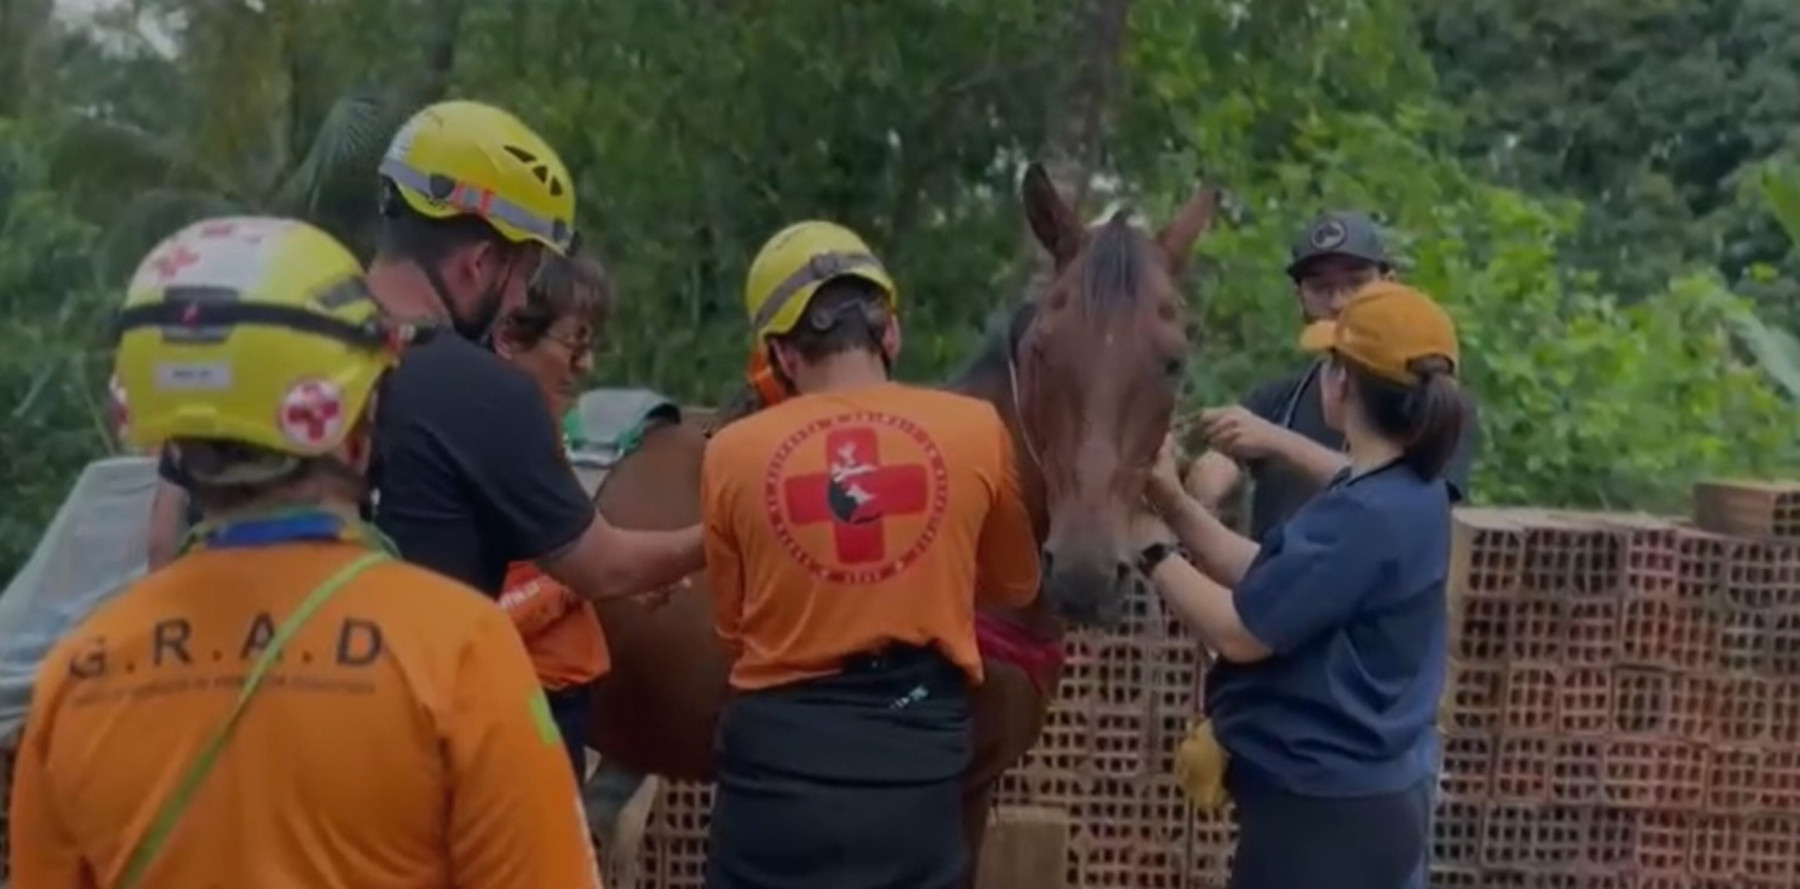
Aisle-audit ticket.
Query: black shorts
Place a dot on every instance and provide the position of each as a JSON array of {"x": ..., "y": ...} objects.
[
  {"x": 1286, "y": 841},
  {"x": 852, "y": 780}
]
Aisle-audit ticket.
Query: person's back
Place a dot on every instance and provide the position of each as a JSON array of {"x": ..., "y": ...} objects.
[
  {"x": 286, "y": 704},
  {"x": 848, "y": 528},
  {"x": 398, "y": 743},
  {"x": 878, "y": 498}
]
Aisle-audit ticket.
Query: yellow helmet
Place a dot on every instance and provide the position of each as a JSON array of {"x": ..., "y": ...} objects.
[
  {"x": 462, "y": 157},
  {"x": 792, "y": 266},
  {"x": 252, "y": 330}
]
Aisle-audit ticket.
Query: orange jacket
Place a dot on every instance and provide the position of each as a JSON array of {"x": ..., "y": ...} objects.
[{"x": 561, "y": 630}]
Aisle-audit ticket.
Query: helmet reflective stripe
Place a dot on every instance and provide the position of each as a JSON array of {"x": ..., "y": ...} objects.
[
  {"x": 820, "y": 267},
  {"x": 480, "y": 202}
]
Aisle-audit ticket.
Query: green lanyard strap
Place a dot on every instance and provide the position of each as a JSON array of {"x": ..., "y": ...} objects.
[{"x": 169, "y": 814}]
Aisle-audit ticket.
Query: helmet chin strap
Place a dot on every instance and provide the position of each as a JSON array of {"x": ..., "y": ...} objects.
[{"x": 477, "y": 329}]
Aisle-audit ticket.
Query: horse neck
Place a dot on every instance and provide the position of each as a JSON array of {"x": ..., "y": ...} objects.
[{"x": 1039, "y": 617}]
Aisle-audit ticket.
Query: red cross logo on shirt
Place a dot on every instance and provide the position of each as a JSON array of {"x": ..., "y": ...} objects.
[
  {"x": 857, "y": 495},
  {"x": 312, "y": 413}
]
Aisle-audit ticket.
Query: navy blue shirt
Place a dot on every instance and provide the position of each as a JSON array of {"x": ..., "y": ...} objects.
[{"x": 1349, "y": 595}]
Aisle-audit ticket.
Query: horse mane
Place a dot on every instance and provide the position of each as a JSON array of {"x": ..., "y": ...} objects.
[
  {"x": 1113, "y": 275},
  {"x": 1005, "y": 327}
]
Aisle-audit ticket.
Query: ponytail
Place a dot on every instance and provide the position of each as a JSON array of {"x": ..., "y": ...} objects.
[{"x": 1426, "y": 418}]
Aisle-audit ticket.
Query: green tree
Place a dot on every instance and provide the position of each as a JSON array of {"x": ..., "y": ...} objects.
[
  {"x": 1655, "y": 113},
  {"x": 52, "y": 367}
]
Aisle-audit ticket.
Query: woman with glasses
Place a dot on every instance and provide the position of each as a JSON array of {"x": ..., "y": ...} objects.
[{"x": 551, "y": 337}]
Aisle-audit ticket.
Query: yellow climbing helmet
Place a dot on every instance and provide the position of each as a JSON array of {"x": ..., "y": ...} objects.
[
  {"x": 794, "y": 263},
  {"x": 253, "y": 330},
  {"x": 467, "y": 158}
]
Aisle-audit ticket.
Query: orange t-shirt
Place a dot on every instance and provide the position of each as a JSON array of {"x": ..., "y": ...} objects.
[
  {"x": 401, "y": 741},
  {"x": 841, "y": 522},
  {"x": 561, "y": 630}
]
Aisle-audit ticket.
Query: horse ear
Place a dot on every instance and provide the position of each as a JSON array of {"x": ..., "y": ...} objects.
[
  {"x": 1052, "y": 221},
  {"x": 1195, "y": 217}
]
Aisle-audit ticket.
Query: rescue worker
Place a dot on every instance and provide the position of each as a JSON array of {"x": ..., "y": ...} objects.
[
  {"x": 850, "y": 530},
  {"x": 551, "y": 338},
  {"x": 1278, "y": 435},
  {"x": 285, "y": 704},
  {"x": 469, "y": 473},
  {"x": 1332, "y": 634}
]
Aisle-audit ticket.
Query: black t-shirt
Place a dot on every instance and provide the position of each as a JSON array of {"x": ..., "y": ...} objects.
[
  {"x": 1292, "y": 402},
  {"x": 469, "y": 475}
]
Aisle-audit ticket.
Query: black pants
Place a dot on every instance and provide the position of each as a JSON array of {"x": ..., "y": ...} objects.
[
  {"x": 569, "y": 709},
  {"x": 1297, "y": 842},
  {"x": 851, "y": 781}
]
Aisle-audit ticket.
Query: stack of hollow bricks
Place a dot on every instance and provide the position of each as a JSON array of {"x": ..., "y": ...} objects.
[
  {"x": 1624, "y": 706},
  {"x": 1623, "y": 713}
]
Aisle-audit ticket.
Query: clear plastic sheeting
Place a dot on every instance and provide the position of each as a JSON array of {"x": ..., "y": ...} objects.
[{"x": 96, "y": 545}]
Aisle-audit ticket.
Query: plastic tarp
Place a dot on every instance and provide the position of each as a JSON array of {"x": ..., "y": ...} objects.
[
  {"x": 96, "y": 545},
  {"x": 608, "y": 424},
  {"x": 98, "y": 542}
]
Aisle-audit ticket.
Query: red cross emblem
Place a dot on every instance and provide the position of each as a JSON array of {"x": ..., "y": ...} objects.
[
  {"x": 857, "y": 495},
  {"x": 172, "y": 260},
  {"x": 121, "y": 409},
  {"x": 312, "y": 413}
]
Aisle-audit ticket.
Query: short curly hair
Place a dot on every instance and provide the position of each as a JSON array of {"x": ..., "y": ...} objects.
[{"x": 564, "y": 286}]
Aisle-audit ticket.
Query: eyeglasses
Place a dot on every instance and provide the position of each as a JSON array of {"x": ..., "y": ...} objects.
[
  {"x": 1331, "y": 285},
  {"x": 578, "y": 346}
]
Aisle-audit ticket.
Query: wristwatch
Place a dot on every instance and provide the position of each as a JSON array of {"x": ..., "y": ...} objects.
[{"x": 1152, "y": 556}]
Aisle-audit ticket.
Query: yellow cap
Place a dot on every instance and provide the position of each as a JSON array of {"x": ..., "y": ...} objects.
[{"x": 1384, "y": 328}]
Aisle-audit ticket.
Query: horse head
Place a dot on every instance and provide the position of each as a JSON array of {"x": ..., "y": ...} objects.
[{"x": 1096, "y": 373}]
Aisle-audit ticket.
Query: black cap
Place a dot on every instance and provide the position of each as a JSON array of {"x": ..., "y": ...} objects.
[{"x": 1345, "y": 233}]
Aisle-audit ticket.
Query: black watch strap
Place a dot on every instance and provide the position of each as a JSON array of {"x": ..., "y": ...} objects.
[{"x": 1152, "y": 556}]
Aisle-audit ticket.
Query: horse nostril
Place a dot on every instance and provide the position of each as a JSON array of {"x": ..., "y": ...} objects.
[
  {"x": 1046, "y": 563},
  {"x": 1122, "y": 571}
]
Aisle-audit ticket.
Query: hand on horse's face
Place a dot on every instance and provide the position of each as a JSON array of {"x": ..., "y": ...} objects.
[
  {"x": 1165, "y": 474},
  {"x": 1238, "y": 433}
]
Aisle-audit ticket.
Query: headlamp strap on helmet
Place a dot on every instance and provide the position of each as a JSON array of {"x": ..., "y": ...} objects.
[{"x": 176, "y": 312}]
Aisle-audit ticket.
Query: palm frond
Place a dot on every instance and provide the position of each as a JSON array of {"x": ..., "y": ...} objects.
[
  {"x": 348, "y": 144},
  {"x": 1775, "y": 351},
  {"x": 1781, "y": 185}
]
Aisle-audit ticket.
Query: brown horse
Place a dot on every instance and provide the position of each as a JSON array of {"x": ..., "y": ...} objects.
[{"x": 1086, "y": 377}]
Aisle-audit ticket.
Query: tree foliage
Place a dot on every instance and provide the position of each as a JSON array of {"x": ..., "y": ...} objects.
[
  {"x": 1587, "y": 230},
  {"x": 1657, "y": 113}
]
